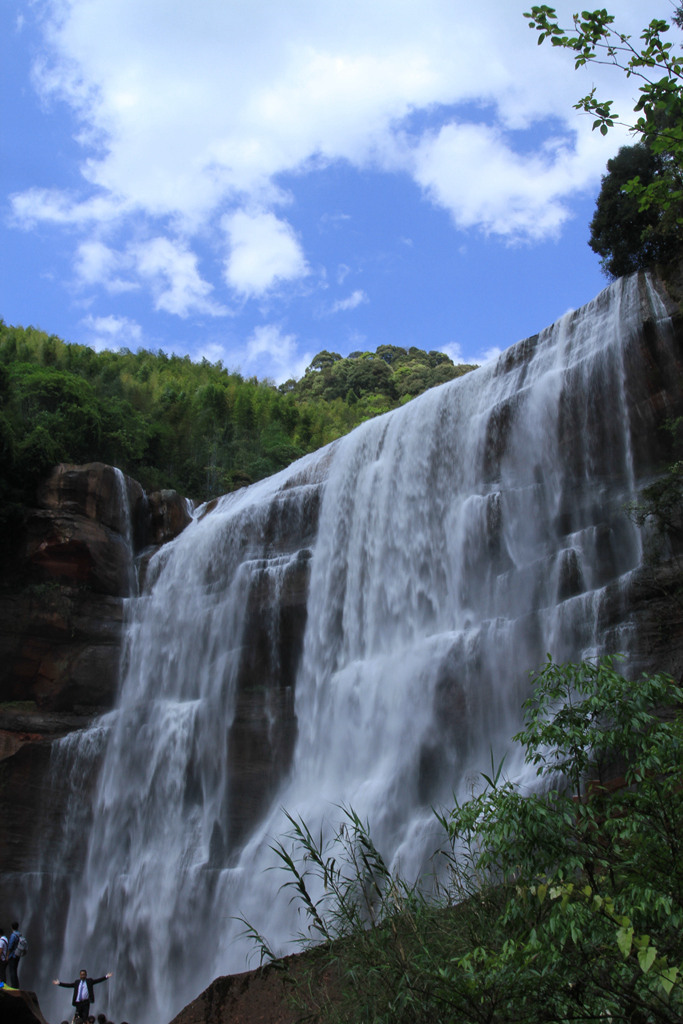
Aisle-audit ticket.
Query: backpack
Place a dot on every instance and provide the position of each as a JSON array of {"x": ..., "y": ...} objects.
[{"x": 21, "y": 948}]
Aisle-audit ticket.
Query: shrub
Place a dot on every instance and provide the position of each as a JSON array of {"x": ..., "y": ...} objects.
[{"x": 565, "y": 904}]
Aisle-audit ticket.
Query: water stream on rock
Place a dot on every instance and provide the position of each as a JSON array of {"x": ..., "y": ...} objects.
[{"x": 459, "y": 539}]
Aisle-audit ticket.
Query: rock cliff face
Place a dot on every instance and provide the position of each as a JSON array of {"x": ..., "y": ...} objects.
[
  {"x": 406, "y": 579},
  {"x": 88, "y": 544},
  {"x": 61, "y": 618}
]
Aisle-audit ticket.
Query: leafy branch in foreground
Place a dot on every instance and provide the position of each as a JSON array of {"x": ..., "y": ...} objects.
[
  {"x": 565, "y": 904},
  {"x": 649, "y": 202},
  {"x": 655, "y": 62}
]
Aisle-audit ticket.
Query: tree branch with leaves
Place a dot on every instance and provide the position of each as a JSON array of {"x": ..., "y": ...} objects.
[{"x": 657, "y": 64}]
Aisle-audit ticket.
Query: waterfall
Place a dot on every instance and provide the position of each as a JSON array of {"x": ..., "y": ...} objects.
[
  {"x": 127, "y": 529},
  {"x": 441, "y": 550}
]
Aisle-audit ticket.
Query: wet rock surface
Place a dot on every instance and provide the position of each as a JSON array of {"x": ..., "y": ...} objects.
[
  {"x": 61, "y": 645},
  {"x": 62, "y": 609},
  {"x": 169, "y": 514}
]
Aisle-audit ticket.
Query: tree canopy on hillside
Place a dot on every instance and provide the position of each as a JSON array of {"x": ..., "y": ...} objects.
[{"x": 171, "y": 422}]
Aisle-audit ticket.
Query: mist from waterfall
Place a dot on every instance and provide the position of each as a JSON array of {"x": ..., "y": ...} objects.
[{"x": 459, "y": 540}]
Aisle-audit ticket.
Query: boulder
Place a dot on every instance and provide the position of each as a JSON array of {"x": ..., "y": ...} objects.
[
  {"x": 169, "y": 514},
  {"x": 84, "y": 532},
  {"x": 18, "y": 1007},
  {"x": 95, "y": 491},
  {"x": 284, "y": 992}
]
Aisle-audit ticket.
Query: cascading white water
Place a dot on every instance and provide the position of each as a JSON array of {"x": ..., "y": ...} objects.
[
  {"x": 127, "y": 523},
  {"x": 460, "y": 538}
]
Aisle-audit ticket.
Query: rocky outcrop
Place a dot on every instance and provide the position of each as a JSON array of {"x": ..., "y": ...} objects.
[
  {"x": 88, "y": 543},
  {"x": 285, "y": 992},
  {"x": 60, "y": 629},
  {"x": 263, "y": 996},
  {"x": 18, "y": 1007},
  {"x": 169, "y": 514},
  {"x": 61, "y": 620},
  {"x": 59, "y": 647},
  {"x": 88, "y": 523}
]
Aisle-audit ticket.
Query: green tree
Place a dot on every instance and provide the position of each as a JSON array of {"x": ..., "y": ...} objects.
[
  {"x": 658, "y": 65},
  {"x": 60, "y": 406},
  {"x": 628, "y": 237},
  {"x": 560, "y": 904},
  {"x": 170, "y": 422},
  {"x": 323, "y": 360}
]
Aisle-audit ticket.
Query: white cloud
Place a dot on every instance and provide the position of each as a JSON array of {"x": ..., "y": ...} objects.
[
  {"x": 167, "y": 266},
  {"x": 274, "y": 354},
  {"x": 97, "y": 264},
  {"x": 356, "y": 298},
  {"x": 172, "y": 272},
  {"x": 56, "y": 207},
  {"x": 181, "y": 110},
  {"x": 213, "y": 352},
  {"x": 454, "y": 352},
  {"x": 472, "y": 172},
  {"x": 190, "y": 115},
  {"x": 333, "y": 221},
  {"x": 492, "y": 353},
  {"x": 264, "y": 251},
  {"x": 111, "y": 332}
]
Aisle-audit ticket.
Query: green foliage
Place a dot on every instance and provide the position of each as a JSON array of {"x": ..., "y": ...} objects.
[
  {"x": 170, "y": 422},
  {"x": 653, "y": 230},
  {"x": 627, "y": 237},
  {"x": 391, "y": 374},
  {"x": 660, "y": 505},
  {"x": 564, "y": 904}
]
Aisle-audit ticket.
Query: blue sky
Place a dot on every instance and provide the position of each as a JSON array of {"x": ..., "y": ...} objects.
[{"x": 256, "y": 180}]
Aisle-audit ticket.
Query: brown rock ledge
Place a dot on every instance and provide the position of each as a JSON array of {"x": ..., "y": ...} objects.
[
  {"x": 267, "y": 995},
  {"x": 19, "y": 1007}
]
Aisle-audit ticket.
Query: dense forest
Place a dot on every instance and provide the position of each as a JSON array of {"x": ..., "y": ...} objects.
[{"x": 170, "y": 422}]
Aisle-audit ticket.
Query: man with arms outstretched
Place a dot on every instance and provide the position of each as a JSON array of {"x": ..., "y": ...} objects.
[{"x": 83, "y": 992}]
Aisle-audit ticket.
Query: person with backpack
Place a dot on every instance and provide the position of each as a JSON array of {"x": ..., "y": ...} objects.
[
  {"x": 16, "y": 949},
  {"x": 4, "y": 943},
  {"x": 83, "y": 992}
]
